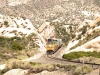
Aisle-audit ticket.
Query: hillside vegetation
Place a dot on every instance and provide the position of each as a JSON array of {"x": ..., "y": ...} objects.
[
  {"x": 76, "y": 55},
  {"x": 15, "y": 46}
]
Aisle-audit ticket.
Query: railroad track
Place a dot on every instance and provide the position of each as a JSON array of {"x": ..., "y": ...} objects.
[
  {"x": 94, "y": 65},
  {"x": 52, "y": 57}
]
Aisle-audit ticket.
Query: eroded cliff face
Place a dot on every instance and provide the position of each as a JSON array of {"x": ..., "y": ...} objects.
[{"x": 42, "y": 13}]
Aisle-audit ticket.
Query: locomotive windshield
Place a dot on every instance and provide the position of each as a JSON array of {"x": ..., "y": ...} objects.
[{"x": 51, "y": 41}]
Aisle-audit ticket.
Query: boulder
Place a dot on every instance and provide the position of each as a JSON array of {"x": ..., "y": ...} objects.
[
  {"x": 2, "y": 66},
  {"x": 16, "y": 72}
]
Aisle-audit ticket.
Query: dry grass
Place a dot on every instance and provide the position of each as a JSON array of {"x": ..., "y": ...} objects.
[
  {"x": 34, "y": 67},
  {"x": 6, "y": 55},
  {"x": 82, "y": 70}
]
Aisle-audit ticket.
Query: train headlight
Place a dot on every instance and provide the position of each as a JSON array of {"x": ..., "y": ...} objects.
[{"x": 50, "y": 45}]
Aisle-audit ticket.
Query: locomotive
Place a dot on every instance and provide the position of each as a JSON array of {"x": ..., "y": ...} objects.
[{"x": 53, "y": 45}]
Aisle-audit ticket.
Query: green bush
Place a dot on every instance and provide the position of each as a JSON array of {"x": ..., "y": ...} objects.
[
  {"x": 79, "y": 37},
  {"x": 76, "y": 73},
  {"x": 33, "y": 63},
  {"x": 75, "y": 55},
  {"x": 18, "y": 43},
  {"x": 5, "y": 22},
  {"x": 2, "y": 41},
  {"x": 15, "y": 38},
  {"x": 84, "y": 29},
  {"x": 82, "y": 70},
  {"x": 17, "y": 46}
]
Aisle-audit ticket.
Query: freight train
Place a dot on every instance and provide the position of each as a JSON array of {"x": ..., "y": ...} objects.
[{"x": 53, "y": 45}]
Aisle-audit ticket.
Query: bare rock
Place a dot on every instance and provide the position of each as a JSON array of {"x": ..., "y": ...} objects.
[{"x": 16, "y": 72}]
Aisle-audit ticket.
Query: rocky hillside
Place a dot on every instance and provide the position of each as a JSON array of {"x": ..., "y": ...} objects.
[
  {"x": 75, "y": 22},
  {"x": 11, "y": 26},
  {"x": 4, "y": 3}
]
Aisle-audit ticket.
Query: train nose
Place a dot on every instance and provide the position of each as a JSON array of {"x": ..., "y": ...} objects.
[
  {"x": 50, "y": 52},
  {"x": 50, "y": 45}
]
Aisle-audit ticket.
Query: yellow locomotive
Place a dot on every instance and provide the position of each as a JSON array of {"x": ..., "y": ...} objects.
[{"x": 53, "y": 45}]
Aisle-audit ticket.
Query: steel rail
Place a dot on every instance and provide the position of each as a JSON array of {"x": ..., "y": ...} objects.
[{"x": 50, "y": 56}]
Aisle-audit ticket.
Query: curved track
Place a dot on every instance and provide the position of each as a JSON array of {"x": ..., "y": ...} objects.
[
  {"x": 58, "y": 56},
  {"x": 52, "y": 57},
  {"x": 57, "y": 59}
]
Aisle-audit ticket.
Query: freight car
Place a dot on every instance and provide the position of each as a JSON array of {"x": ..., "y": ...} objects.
[{"x": 53, "y": 45}]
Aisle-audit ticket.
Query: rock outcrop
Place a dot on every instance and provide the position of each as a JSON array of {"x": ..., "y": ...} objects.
[{"x": 16, "y": 72}]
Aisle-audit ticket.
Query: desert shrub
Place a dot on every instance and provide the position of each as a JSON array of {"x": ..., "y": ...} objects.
[
  {"x": 76, "y": 73},
  {"x": 2, "y": 41},
  {"x": 19, "y": 64},
  {"x": 24, "y": 18},
  {"x": 15, "y": 38},
  {"x": 75, "y": 55},
  {"x": 73, "y": 36},
  {"x": 50, "y": 68},
  {"x": 17, "y": 46},
  {"x": 33, "y": 63},
  {"x": 5, "y": 22},
  {"x": 86, "y": 68},
  {"x": 82, "y": 70},
  {"x": 17, "y": 43},
  {"x": 84, "y": 29},
  {"x": 15, "y": 65},
  {"x": 70, "y": 67},
  {"x": 79, "y": 37},
  {"x": 69, "y": 56},
  {"x": 89, "y": 36}
]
